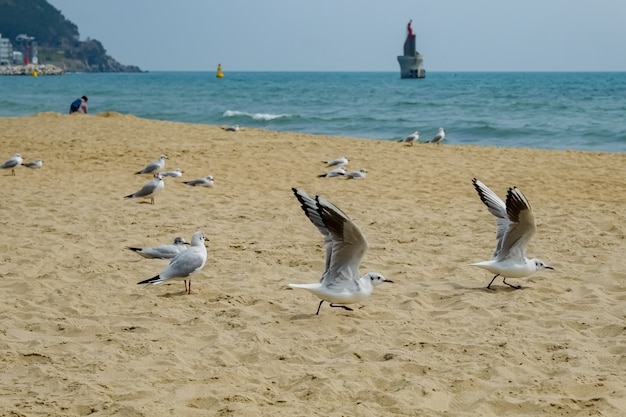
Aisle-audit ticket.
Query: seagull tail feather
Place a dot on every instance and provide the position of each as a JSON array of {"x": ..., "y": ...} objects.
[{"x": 150, "y": 280}]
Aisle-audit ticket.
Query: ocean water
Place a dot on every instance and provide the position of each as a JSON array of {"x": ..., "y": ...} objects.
[{"x": 581, "y": 111}]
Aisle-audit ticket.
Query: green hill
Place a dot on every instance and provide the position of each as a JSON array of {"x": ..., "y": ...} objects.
[{"x": 57, "y": 38}]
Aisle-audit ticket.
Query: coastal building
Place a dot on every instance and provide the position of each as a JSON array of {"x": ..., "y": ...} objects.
[
  {"x": 6, "y": 51},
  {"x": 18, "y": 58},
  {"x": 411, "y": 63}
]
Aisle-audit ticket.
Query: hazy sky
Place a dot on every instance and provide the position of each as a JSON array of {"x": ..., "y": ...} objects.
[{"x": 356, "y": 35}]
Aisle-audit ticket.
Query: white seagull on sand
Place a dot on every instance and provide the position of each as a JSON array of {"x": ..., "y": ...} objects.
[
  {"x": 154, "y": 166},
  {"x": 413, "y": 137},
  {"x": 334, "y": 173},
  {"x": 345, "y": 247},
  {"x": 176, "y": 173},
  {"x": 37, "y": 163},
  {"x": 150, "y": 189},
  {"x": 338, "y": 161},
  {"x": 15, "y": 161},
  {"x": 201, "y": 182},
  {"x": 515, "y": 226},
  {"x": 162, "y": 251},
  {"x": 184, "y": 265},
  {"x": 357, "y": 175},
  {"x": 439, "y": 136}
]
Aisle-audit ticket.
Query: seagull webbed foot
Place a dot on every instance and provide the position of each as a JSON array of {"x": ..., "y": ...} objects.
[
  {"x": 340, "y": 306},
  {"x": 517, "y": 287}
]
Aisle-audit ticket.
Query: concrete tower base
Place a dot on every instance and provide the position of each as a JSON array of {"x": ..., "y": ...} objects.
[{"x": 411, "y": 66}]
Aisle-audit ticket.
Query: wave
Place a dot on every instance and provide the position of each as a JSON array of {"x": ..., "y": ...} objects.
[{"x": 266, "y": 117}]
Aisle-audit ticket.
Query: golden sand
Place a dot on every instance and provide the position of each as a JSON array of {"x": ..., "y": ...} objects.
[{"x": 78, "y": 336}]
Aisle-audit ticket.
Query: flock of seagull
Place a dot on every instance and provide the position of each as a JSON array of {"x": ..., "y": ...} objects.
[
  {"x": 156, "y": 185},
  {"x": 185, "y": 262},
  {"x": 345, "y": 244},
  {"x": 415, "y": 137},
  {"x": 17, "y": 160},
  {"x": 338, "y": 169}
]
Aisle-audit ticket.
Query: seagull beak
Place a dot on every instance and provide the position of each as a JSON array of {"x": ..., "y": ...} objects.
[
  {"x": 388, "y": 280},
  {"x": 549, "y": 267}
]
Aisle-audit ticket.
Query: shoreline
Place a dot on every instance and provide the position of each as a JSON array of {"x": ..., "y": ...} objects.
[
  {"x": 321, "y": 135},
  {"x": 77, "y": 326}
]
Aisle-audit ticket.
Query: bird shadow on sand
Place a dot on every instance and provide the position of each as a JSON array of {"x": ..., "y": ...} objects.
[
  {"x": 494, "y": 288},
  {"x": 302, "y": 316},
  {"x": 173, "y": 294},
  {"x": 333, "y": 311}
]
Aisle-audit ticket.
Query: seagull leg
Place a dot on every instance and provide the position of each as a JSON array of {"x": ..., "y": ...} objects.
[
  {"x": 517, "y": 287},
  {"x": 152, "y": 200},
  {"x": 489, "y": 286},
  {"x": 344, "y": 307},
  {"x": 318, "y": 308}
]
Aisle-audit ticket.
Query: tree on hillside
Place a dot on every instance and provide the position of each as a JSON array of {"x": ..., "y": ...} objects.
[{"x": 39, "y": 19}]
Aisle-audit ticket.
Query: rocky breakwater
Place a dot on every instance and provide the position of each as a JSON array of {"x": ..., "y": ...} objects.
[{"x": 31, "y": 69}]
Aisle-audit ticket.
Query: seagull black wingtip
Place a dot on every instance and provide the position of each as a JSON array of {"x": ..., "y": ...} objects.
[{"x": 149, "y": 280}]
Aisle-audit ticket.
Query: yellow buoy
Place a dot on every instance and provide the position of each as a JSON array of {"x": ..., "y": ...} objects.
[
  {"x": 219, "y": 74},
  {"x": 35, "y": 73}
]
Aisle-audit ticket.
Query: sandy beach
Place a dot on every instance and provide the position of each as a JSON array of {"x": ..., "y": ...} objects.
[{"x": 80, "y": 337}]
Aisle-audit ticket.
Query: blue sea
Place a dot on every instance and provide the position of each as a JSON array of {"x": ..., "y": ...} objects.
[{"x": 580, "y": 111}]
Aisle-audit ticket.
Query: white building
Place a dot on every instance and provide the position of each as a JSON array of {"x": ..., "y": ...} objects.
[
  {"x": 6, "y": 51},
  {"x": 18, "y": 58}
]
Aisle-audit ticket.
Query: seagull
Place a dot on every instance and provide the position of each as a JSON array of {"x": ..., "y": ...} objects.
[
  {"x": 357, "y": 175},
  {"x": 201, "y": 182},
  {"x": 154, "y": 166},
  {"x": 413, "y": 137},
  {"x": 162, "y": 251},
  {"x": 183, "y": 265},
  {"x": 15, "y": 161},
  {"x": 515, "y": 226},
  {"x": 439, "y": 137},
  {"x": 339, "y": 161},
  {"x": 334, "y": 173},
  {"x": 234, "y": 128},
  {"x": 37, "y": 163},
  {"x": 345, "y": 246},
  {"x": 151, "y": 188},
  {"x": 177, "y": 173}
]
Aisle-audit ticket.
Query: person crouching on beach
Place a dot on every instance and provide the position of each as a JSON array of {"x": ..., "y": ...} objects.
[{"x": 79, "y": 105}]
